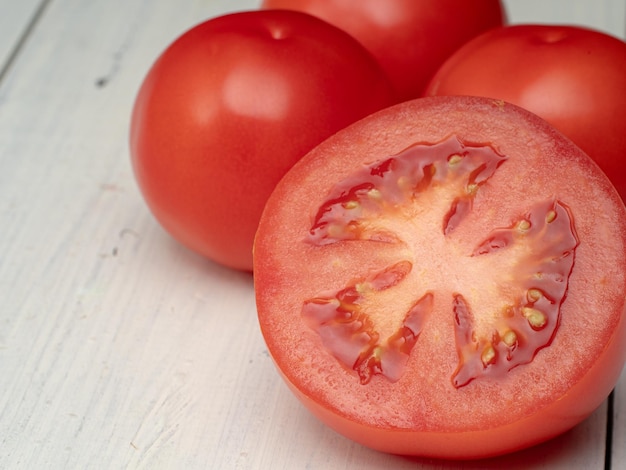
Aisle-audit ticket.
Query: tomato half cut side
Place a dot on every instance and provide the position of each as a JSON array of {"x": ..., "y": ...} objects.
[{"x": 445, "y": 278}]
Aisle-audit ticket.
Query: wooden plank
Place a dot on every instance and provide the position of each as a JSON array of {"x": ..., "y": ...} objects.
[
  {"x": 105, "y": 356},
  {"x": 117, "y": 346},
  {"x": 618, "y": 457},
  {"x": 16, "y": 20},
  {"x": 605, "y": 15}
]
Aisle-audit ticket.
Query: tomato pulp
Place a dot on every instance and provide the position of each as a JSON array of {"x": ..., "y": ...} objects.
[
  {"x": 226, "y": 110},
  {"x": 573, "y": 77},
  {"x": 445, "y": 278}
]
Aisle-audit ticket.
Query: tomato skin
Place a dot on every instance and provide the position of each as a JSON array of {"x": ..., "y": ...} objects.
[
  {"x": 226, "y": 110},
  {"x": 422, "y": 413},
  {"x": 573, "y": 77},
  {"x": 559, "y": 416},
  {"x": 410, "y": 38}
]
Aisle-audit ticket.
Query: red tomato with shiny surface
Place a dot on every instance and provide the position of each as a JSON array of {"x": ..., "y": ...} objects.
[
  {"x": 409, "y": 38},
  {"x": 228, "y": 108},
  {"x": 573, "y": 77},
  {"x": 445, "y": 278}
]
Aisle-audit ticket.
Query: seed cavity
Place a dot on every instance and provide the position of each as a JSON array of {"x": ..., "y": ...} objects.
[
  {"x": 528, "y": 320},
  {"x": 398, "y": 182},
  {"x": 348, "y": 332}
]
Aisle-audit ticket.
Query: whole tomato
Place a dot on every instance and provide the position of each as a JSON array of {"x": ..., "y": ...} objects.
[
  {"x": 573, "y": 77},
  {"x": 229, "y": 107},
  {"x": 409, "y": 38}
]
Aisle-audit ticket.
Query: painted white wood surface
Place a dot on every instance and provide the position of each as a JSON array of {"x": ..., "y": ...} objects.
[
  {"x": 604, "y": 15},
  {"x": 119, "y": 348},
  {"x": 15, "y": 20}
]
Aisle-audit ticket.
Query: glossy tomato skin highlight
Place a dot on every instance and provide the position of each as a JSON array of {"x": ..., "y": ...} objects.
[
  {"x": 573, "y": 77},
  {"x": 226, "y": 110},
  {"x": 368, "y": 243},
  {"x": 409, "y": 38}
]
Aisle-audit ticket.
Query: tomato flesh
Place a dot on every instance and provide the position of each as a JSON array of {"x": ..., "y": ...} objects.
[{"x": 445, "y": 278}]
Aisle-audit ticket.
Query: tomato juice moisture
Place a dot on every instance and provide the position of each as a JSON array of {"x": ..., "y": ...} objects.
[{"x": 445, "y": 278}]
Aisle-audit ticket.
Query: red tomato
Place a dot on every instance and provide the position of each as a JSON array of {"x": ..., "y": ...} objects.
[
  {"x": 445, "y": 278},
  {"x": 229, "y": 107},
  {"x": 410, "y": 38},
  {"x": 574, "y": 78}
]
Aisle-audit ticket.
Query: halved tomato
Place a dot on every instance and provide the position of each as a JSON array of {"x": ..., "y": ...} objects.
[{"x": 445, "y": 278}]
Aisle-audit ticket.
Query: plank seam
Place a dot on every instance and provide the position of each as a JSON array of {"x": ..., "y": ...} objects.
[
  {"x": 609, "y": 431},
  {"x": 23, "y": 39}
]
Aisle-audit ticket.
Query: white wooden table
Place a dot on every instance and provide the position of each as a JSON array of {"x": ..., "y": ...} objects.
[{"x": 119, "y": 348}]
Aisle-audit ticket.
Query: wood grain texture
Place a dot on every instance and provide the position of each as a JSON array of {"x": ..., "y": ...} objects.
[{"x": 118, "y": 347}]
